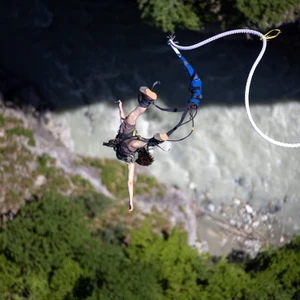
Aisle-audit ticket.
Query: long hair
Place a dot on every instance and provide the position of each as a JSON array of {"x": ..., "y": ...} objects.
[{"x": 144, "y": 158}]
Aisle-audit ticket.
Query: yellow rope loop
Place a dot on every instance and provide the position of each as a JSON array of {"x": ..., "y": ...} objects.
[{"x": 268, "y": 37}]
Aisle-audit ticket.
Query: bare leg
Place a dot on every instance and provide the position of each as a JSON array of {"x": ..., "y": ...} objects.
[
  {"x": 136, "y": 144},
  {"x": 131, "y": 119},
  {"x": 134, "y": 115}
]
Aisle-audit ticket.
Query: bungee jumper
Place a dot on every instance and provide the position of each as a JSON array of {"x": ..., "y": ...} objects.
[{"x": 133, "y": 148}]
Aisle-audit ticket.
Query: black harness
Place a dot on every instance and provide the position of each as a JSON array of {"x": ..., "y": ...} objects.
[{"x": 119, "y": 139}]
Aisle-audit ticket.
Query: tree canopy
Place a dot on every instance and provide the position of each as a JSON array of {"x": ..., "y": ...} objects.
[
  {"x": 52, "y": 251},
  {"x": 195, "y": 14}
]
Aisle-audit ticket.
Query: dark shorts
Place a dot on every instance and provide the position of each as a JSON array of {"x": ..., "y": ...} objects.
[
  {"x": 126, "y": 128},
  {"x": 124, "y": 153}
]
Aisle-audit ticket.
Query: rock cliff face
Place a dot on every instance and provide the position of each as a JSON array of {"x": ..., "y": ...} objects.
[{"x": 32, "y": 162}]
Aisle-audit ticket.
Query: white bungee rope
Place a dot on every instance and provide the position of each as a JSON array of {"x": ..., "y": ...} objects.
[{"x": 264, "y": 38}]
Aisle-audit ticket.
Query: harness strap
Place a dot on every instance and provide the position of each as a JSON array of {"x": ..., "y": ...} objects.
[
  {"x": 197, "y": 97},
  {"x": 126, "y": 136},
  {"x": 194, "y": 88},
  {"x": 169, "y": 109}
]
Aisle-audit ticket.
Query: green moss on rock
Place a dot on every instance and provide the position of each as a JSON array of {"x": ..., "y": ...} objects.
[{"x": 24, "y": 175}]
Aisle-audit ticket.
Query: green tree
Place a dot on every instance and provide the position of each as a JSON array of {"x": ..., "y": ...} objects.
[
  {"x": 276, "y": 273},
  {"x": 175, "y": 262},
  {"x": 170, "y": 14},
  {"x": 9, "y": 277},
  {"x": 269, "y": 13},
  {"x": 110, "y": 274},
  {"x": 44, "y": 233},
  {"x": 48, "y": 252},
  {"x": 195, "y": 15},
  {"x": 40, "y": 247},
  {"x": 227, "y": 281},
  {"x": 63, "y": 280}
]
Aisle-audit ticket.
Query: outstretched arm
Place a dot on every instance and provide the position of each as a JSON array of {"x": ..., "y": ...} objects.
[
  {"x": 122, "y": 114},
  {"x": 131, "y": 167}
]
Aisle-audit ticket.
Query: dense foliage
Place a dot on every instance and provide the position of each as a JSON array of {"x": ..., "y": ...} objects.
[
  {"x": 194, "y": 14},
  {"x": 51, "y": 250}
]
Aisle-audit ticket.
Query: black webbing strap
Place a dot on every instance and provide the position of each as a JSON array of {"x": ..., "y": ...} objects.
[
  {"x": 179, "y": 123},
  {"x": 169, "y": 109}
]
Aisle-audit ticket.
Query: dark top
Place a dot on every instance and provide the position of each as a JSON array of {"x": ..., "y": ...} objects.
[{"x": 123, "y": 151}]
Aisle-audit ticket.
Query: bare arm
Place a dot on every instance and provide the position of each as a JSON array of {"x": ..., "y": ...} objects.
[
  {"x": 122, "y": 115},
  {"x": 131, "y": 167}
]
